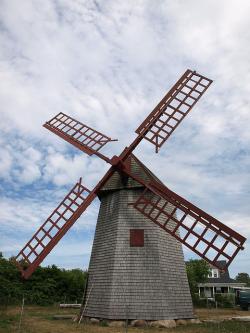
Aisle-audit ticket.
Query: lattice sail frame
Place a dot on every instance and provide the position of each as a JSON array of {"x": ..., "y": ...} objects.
[
  {"x": 173, "y": 108},
  {"x": 78, "y": 134},
  {"x": 156, "y": 128},
  {"x": 200, "y": 232},
  {"x": 54, "y": 228}
]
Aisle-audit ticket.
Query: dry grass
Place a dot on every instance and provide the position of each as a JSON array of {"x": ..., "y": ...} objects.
[
  {"x": 220, "y": 313},
  {"x": 39, "y": 320}
]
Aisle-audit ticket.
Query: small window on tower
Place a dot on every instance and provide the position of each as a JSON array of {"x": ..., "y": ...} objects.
[{"x": 136, "y": 237}]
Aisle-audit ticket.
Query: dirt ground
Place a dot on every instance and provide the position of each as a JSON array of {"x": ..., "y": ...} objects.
[{"x": 40, "y": 320}]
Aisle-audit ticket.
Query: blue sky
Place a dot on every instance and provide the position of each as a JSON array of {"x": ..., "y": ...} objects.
[{"x": 107, "y": 64}]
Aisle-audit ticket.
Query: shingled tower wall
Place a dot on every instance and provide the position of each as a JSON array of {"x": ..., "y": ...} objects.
[{"x": 125, "y": 282}]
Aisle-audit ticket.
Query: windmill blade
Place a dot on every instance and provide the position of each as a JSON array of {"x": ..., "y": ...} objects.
[
  {"x": 173, "y": 108},
  {"x": 78, "y": 134},
  {"x": 200, "y": 232},
  {"x": 53, "y": 229}
]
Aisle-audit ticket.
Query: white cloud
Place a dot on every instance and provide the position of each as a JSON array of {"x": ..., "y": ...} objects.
[
  {"x": 64, "y": 169},
  {"x": 19, "y": 164},
  {"x": 28, "y": 162},
  {"x": 27, "y": 214},
  {"x": 21, "y": 217},
  {"x": 5, "y": 162},
  {"x": 108, "y": 64}
]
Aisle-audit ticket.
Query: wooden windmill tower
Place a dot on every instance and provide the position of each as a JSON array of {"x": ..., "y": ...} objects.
[{"x": 136, "y": 268}]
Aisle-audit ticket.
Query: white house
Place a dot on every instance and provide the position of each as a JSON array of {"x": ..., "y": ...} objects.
[{"x": 219, "y": 282}]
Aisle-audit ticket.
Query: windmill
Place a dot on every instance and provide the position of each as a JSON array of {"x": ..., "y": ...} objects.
[{"x": 136, "y": 268}]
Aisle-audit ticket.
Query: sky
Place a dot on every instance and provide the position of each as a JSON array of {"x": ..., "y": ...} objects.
[{"x": 107, "y": 64}]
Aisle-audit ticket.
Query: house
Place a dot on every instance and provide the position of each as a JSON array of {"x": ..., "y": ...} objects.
[{"x": 219, "y": 282}]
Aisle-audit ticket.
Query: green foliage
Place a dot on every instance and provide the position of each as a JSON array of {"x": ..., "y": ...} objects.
[
  {"x": 104, "y": 323},
  {"x": 201, "y": 303},
  {"x": 225, "y": 300},
  {"x": 197, "y": 272},
  {"x": 243, "y": 278},
  {"x": 47, "y": 285}
]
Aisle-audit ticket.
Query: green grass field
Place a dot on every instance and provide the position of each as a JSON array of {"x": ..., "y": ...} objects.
[{"x": 40, "y": 320}]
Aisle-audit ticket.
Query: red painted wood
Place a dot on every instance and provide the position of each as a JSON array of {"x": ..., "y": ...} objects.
[
  {"x": 78, "y": 134},
  {"x": 156, "y": 128},
  {"x": 200, "y": 232},
  {"x": 54, "y": 228},
  {"x": 136, "y": 237},
  {"x": 173, "y": 108}
]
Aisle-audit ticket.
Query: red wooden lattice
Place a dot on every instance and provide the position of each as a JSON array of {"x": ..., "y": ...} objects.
[
  {"x": 200, "y": 232},
  {"x": 172, "y": 109},
  {"x": 53, "y": 229},
  {"x": 78, "y": 134}
]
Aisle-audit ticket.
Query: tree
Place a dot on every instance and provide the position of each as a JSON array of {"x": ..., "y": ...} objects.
[
  {"x": 47, "y": 285},
  {"x": 243, "y": 278},
  {"x": 10, "y": 282},
  {"x": 197, "y": 272}
]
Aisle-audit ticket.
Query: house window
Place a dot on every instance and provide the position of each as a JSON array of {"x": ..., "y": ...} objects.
[
  {"x": 136, "y": 237},
  {"x": 215, "y": 273}
]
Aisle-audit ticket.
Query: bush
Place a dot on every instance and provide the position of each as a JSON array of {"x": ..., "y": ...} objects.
[
  {"x": 199, "y": 303},
  {"x": 203, "y": 302},
  {"x": 225, "y": 300}
]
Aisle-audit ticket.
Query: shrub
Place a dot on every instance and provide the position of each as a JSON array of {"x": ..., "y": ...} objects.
[{"x": 225, "y": 300}]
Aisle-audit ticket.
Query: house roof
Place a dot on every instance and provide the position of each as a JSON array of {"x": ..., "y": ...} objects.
[
  {"x": 222, "y": 279},
  {"x": 221, "y": 263},
  {"x": 224, "y": 276}
]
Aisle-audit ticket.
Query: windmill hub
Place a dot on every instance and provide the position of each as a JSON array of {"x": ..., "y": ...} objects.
[
  {"x": 137, "y": 269},
  {"x": 117, "y": 161}
]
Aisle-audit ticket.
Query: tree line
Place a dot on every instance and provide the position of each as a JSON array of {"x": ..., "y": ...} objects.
[{"x": 49, "y": 285}]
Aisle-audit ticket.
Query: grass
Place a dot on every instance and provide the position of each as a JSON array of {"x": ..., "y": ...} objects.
[{"x": 40, "y": 320}]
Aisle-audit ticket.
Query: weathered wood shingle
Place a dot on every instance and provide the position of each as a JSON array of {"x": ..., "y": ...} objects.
[{"x": 147, "y": 282}]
